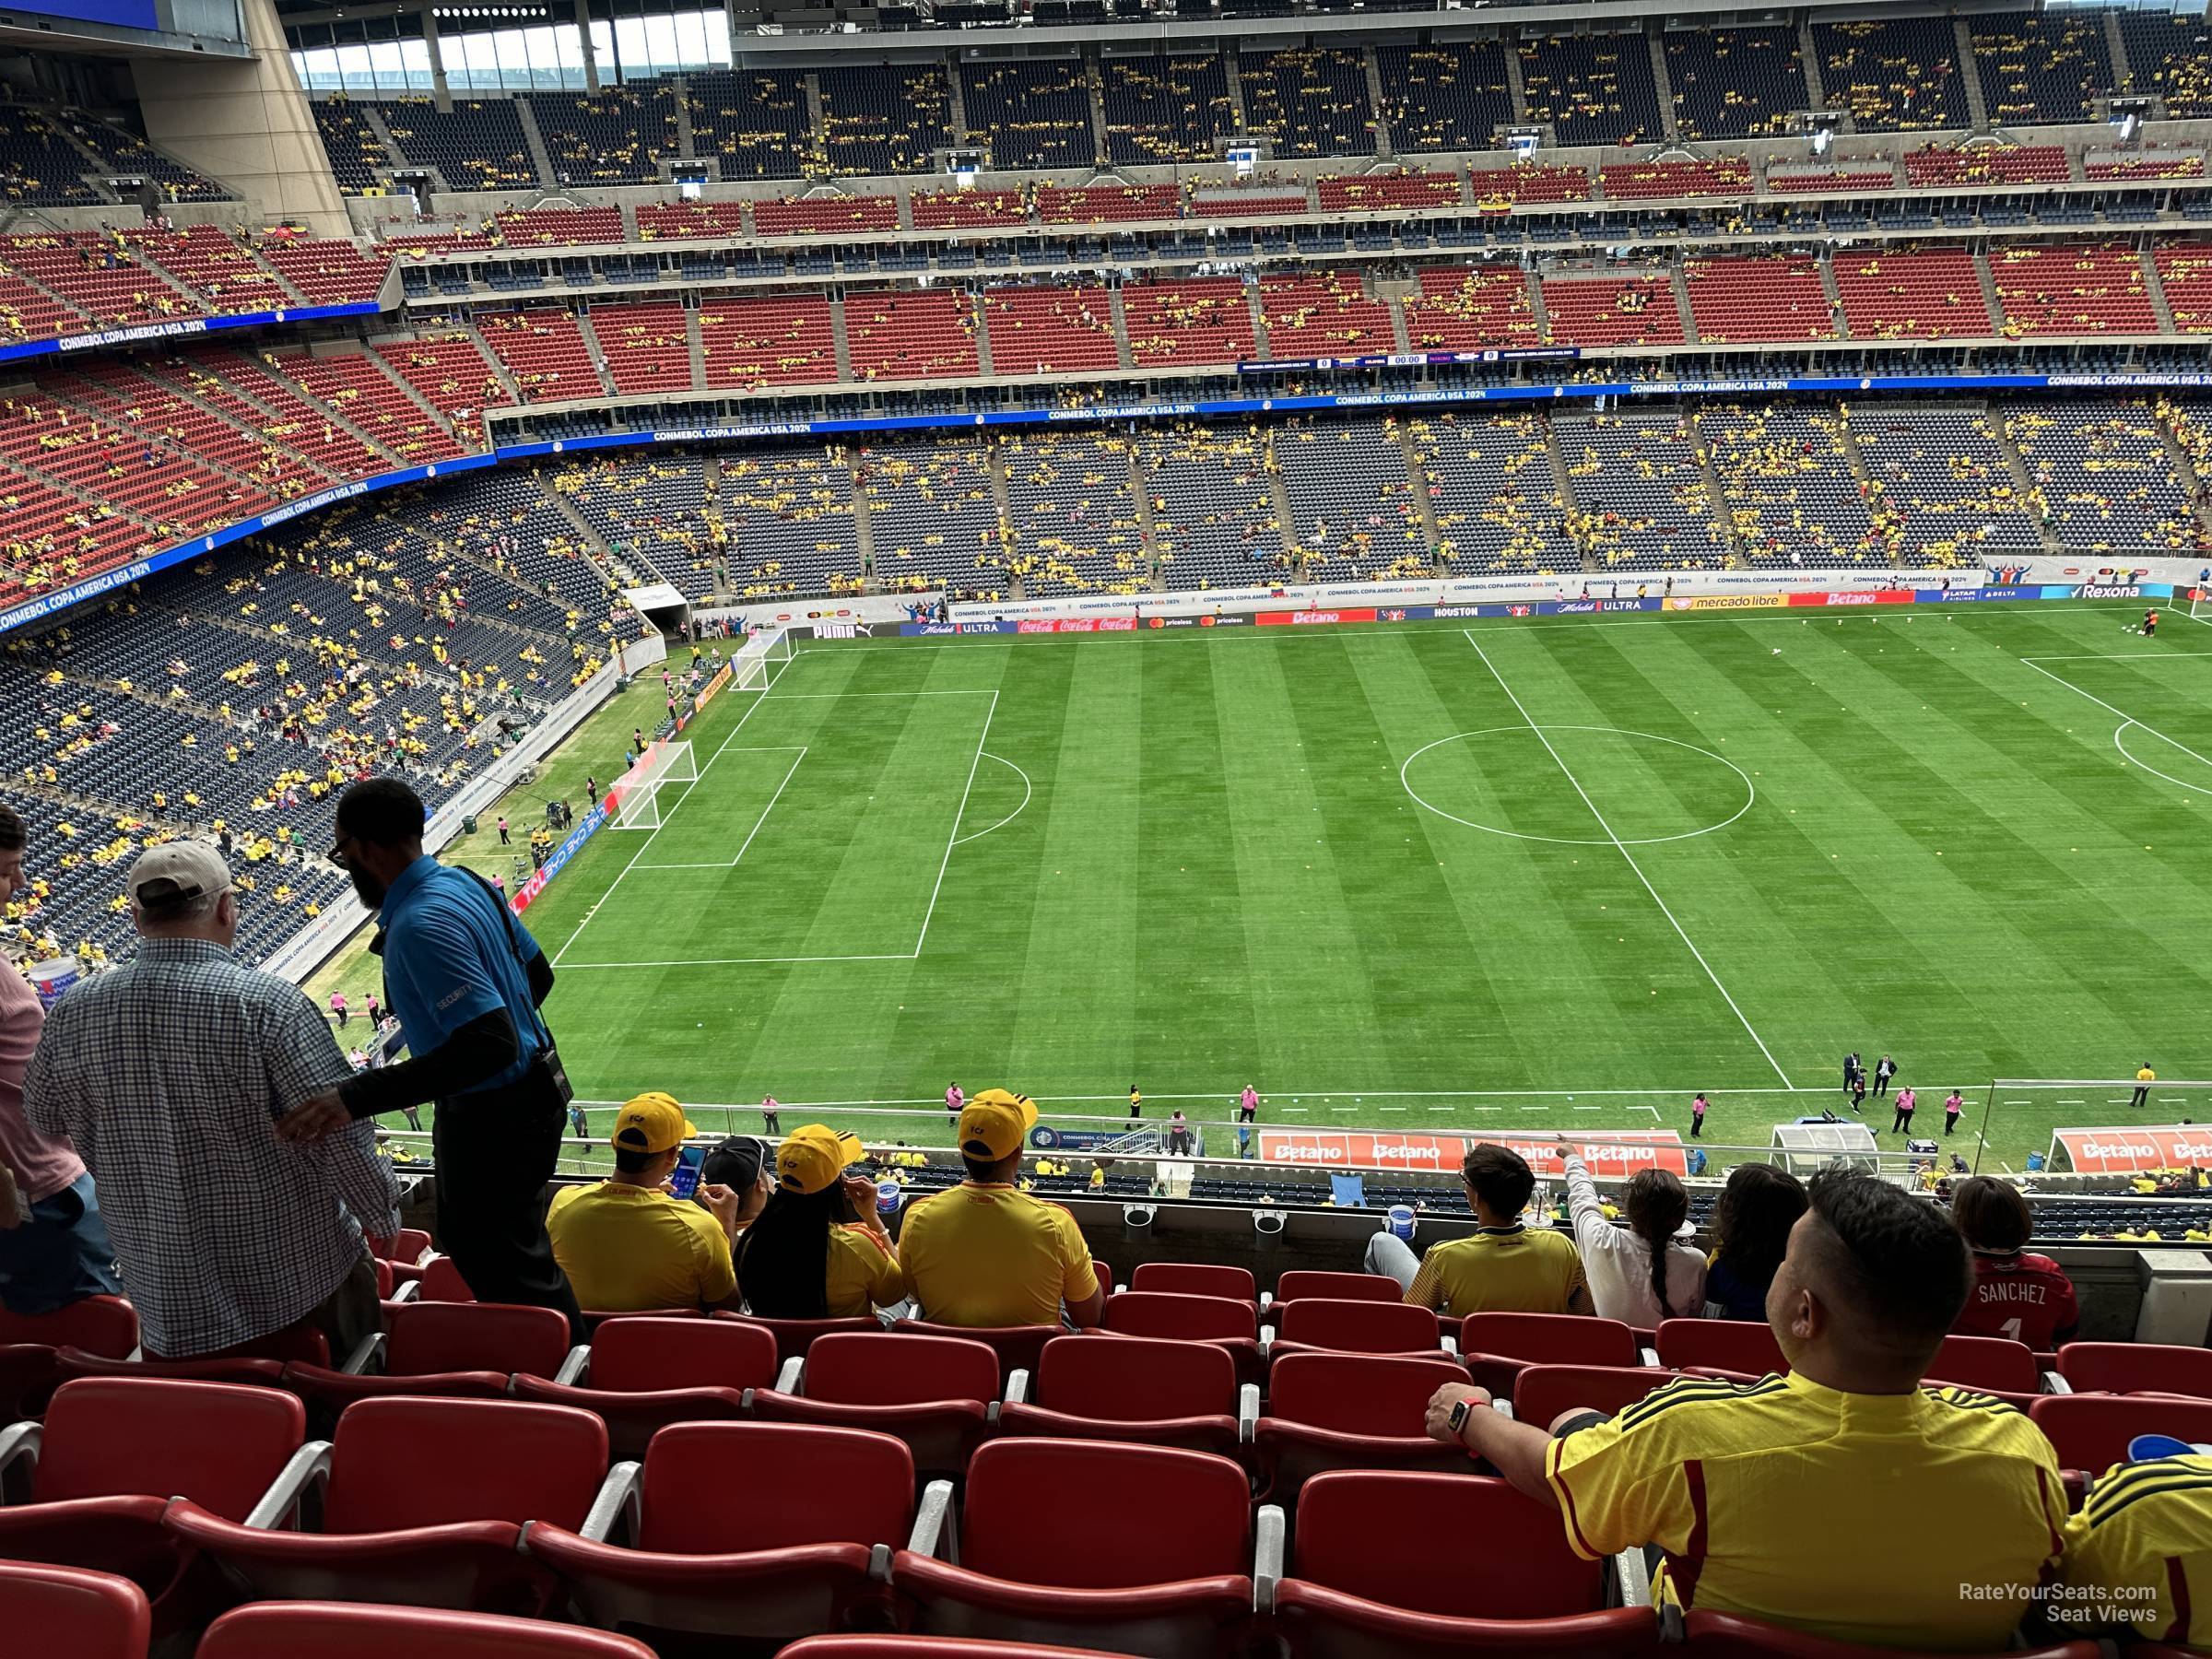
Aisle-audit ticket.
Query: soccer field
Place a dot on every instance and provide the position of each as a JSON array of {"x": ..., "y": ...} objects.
[{"x": 1533, "y": 875}]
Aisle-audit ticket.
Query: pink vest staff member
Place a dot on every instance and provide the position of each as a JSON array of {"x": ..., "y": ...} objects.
[
  {"x": 1906, "y": 1101},
  {"x": 1952, "y": 1107},
  {"x": 954, "y": 1101}
]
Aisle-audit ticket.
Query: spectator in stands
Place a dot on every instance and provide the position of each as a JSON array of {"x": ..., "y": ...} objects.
[
  {"x": 1750, "y": 1226},
  {"x": 165, "y": 1074},
  {"x": 2137, "y": 1548},
  {"x": 984, "y": 1253},
  {"x": 465, "y": 979},
  {"x": 1642, "y": 1273},
  {"x": 1783, "y": 1499},
  {"x": 626, "y": 1243},
  {"x": 741, "y": 1162},
  {"x": 1502, "y": 1266},
  {"x": 819, "y": 1250},
  {"x": 53, "y": 1246},
  {"x": 2017, "y": 1293}
]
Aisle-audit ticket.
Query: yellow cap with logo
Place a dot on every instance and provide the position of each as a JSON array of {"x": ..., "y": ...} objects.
[
  {"x": 815, "y": 1157},
  {"x": 996, "y": 1125},
  {"x": 652, "y": 1122}
]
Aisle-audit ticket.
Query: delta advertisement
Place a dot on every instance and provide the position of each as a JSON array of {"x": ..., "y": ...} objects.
[
  {"x": 1617, "y": 1155},
  {"x": 2127, "y": 1150}
]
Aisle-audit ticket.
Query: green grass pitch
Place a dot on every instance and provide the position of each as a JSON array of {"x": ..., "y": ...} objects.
[{"x": 1527, "y": 874}]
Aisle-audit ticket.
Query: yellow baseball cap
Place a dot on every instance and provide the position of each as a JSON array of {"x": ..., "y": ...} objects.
[
  {"x": 814, "y": 1157},
  {"x": 996, "y": 1125},
  {"x": 652, "y": 1122}
]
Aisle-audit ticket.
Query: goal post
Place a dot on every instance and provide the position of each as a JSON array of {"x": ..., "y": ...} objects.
[
  {"x": 2087, "y": 1126},
  {"x": 760, "y": 660},
  {"x": 637, "y": 806},
  {"x": 2200, "y": 602}
]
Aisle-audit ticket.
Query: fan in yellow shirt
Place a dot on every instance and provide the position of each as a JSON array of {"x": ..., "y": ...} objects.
[
  {"x": 819, "y": 1250},
  {"x": 1502, "y": 1266},
  {"x": 1783, "y": 1499},
  {"x": 2140, "y": 1555}
]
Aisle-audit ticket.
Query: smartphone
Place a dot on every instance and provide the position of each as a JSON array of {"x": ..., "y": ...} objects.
[{"x": 684, "y": 1183}]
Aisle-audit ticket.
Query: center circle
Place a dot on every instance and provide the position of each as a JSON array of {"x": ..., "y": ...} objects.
[{"x": 1551, "y": 770}]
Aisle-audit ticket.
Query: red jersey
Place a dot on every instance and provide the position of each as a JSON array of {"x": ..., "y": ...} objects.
[{"x": 2025, "y": 1297}]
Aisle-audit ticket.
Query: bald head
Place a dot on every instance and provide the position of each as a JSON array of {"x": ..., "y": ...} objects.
[{"x": 1872, "y": 1283}]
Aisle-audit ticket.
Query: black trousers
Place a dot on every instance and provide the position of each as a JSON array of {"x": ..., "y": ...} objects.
[
  {"x": 1904, "y": 1121},
  {"x": 495, "y": 1150}
]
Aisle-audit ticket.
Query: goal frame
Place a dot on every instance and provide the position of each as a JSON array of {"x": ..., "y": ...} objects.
[
  {"x": 755, "y": 665},
  {"x": 2200, "y": 603},
  {"x": 663, "y": 763}
]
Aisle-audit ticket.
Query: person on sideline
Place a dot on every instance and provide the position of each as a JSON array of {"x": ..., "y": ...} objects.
[
  {"x": 2145, "y": 1078},
  {"x": 1952, "y": 1107},
  {"x": 627, "y": 1244},
  {"x": 1750, "y": 1224},
  {"x": 1696, "y": 1116},
  {"x": 1884, "y": 1070},
  {"x": 1781, "y": 1500},
  {"x": 771, "y": 1115},
  {"x": 165, "y": 1074},
  {"x": 465, "y": 979},
  {"x": 1906, "y": 1101},
  {"x": 2017, "y": 1293},
  {"x": 819, "y": 1250},
  {"x": 1638, "y": 1275},
  {"x": 53, "y": 1247},
  {"x": 1502, "y": 1266},
  {"x": 1137, "y": 1103},
  {"x": 987, "y": 1254},
  {"x": 2142, "y": 1546},
  {"x": 954, "y": 1101}
]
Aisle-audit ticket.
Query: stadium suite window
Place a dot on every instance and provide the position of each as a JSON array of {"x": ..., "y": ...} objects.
[{"x": 366, "y": 65}]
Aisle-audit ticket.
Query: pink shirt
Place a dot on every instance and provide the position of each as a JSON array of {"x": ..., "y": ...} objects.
[
  {"x": 43, "y": 1164},
  {"x": 1906, "y": 1100},
  {"x": 953, "y": 1097},
  {"x": 1251, "y": 1098}
]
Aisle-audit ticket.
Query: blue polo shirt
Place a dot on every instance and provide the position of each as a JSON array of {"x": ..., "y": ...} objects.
[{"x": 448, "y": 958}]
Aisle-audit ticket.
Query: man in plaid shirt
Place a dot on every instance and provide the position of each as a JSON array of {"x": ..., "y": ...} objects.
[{"x": 168, "y": 1075}]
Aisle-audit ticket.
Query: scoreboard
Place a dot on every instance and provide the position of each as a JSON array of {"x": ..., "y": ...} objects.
[{"x": 116, "y": 14}]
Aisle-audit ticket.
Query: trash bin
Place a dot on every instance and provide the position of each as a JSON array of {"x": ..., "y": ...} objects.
[{"x": 468, "y": 823}]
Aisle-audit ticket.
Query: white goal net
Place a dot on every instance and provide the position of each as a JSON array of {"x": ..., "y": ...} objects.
[
  {"x": 2200, "y": 602},
  {"x": 664, "y": 764},
  {"x": 757, "y": 662}
]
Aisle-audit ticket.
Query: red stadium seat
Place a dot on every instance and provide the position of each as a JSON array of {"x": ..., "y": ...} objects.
[
  {"x": 72, "y": 1363},
  {"x": 1151, "y": 1552},
  {"x": 441, "y": 1282},
  {"x": 1541, "y": 1392},
  {"x": 1498, "y": 1346},
  {"x": 1729, "y": 1345},
  {"x": 2136, "y": 1367},
  {"x": 1336, "y": 1286},
  {"x": 935, "y": 1393},
  {"x": 425, "y": 1506},
  {"x": 407, "y": 1246},
  {"x": 340, "y": 1630},
  {"x": 1350, "y": 1411},
  {"x": 1181, "y": 1317},
  {"x": 1727, "y": 1636},
  {"x": 596, "y": 1317},
  {"x": 1380, "y": 1567},
  {"x": 115, "y": 1451},
  {"x": 458, "y": 1350},
  {"x": 58, "y": 1610},
  {"x": 1133, "y": 1388},
  {"x": 1358, "y": 1327},
  {"x": 709, "y": 1558},
  {"x": 644, "y": 1373},
  {"x": 1986, "y": 1362},
  {"x": 1194, "y": 1278},
  {"x": 100, "y": 1324},
  {"x": 2090, "y": 1432},
  {"x": 1016, "y": 1345},
  {"x": 930, "y": 1647},
  {"x": 793, "y": 1335}
]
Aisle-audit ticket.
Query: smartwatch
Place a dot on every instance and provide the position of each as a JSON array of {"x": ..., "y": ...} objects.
[{"x": 1457, "y": 1421}]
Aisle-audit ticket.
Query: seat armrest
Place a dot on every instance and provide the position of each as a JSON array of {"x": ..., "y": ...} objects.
[
  {"x": 1647, "y": 1356},
  {"x": 281, "y": 1507},
  {"x": 1267, "y": 1557},
  {"x": 370, "y": 1352},
  {"x": 19, "y": 1448},
  {"x": 1450, "y": 1345},
  {"x": 407, "y": 1291},
  {"x": 1266, "y": 1300},
  {"x": 2055, "y": 1384},
  {"x": 1018, "y": 1387},
  {"x": 1504, "y": 1409},
  {"x": 792, "y": 1378},
  {"x": 618, "y": 1501},
  {"x": 577, "y": 1367},
  {"x": 937, "y": 1532},
  {"x": 1248, "y": 1412}
]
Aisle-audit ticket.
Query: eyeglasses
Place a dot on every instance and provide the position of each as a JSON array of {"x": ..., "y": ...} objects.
[{"x": 338, "y": 853}]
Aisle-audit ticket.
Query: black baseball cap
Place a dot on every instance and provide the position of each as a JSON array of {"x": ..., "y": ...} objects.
[{"x": 736, "y": 1162}]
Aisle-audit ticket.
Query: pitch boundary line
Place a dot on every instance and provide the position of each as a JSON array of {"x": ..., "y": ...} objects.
[
  {"x": 1750, "y": 793},
  {"x": 1303, "y": 1094},
  {"x": 1627, "y": 856},
  {"x": 1026, "y": 792},
  {"x": 953, "y": 839},
  {"x": 791, "y": 771},
  {"x": 2126, "y": 719},
  {"x": 2126, "y": 755}
]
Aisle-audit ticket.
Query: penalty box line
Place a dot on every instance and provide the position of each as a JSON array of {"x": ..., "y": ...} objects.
[
  {"x": 726, "y": 746},
  {"x": 1621, "y": 847}
]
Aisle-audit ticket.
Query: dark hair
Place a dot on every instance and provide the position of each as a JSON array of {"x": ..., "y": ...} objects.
[
  {"x": 1655, "y": 1206},
  {"x": 736, "y": 1161},
  {"x": 1499, "y": 1176},
  {"x": 13, "y": 836},
  {"x": 987, "y": 1168},
  {"x": 783, "y": 1258},
  {"x": 382, "y": 811},
  {"x": 632, "y": 1163},
  {"x": 1896, "y": 1259},
  {"x": 1751, "y": 1222},
  {"x": 1990, "y": 1215}
]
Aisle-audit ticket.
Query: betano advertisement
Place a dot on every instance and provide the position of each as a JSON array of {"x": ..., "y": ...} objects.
[
  {"x": 1617, "y": 1155},
  {"x": 2136, "y": 1147}
]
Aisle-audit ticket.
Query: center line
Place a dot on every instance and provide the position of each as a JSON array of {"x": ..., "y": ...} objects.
[{"x": 1621, "y": 848}]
